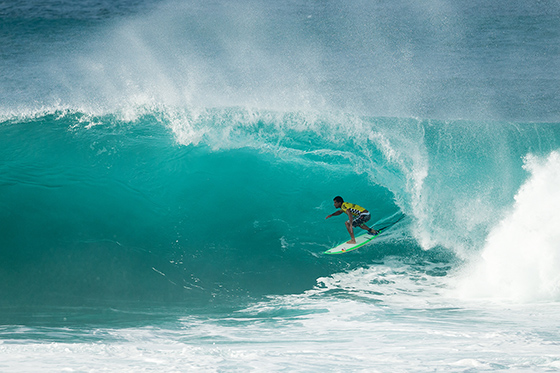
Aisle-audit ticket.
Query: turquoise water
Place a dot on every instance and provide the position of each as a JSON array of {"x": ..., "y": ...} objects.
[{"x": 166, "y": 169}]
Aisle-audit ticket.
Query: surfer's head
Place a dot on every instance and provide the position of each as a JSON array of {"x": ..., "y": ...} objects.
[{"x": 338, "y": 201}]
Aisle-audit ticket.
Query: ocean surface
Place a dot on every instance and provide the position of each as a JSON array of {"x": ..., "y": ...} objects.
[{"x": 166, "y": 168}]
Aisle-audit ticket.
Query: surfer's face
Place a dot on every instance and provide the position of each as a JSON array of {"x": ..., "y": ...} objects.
[{"x": 337, "y": 204}]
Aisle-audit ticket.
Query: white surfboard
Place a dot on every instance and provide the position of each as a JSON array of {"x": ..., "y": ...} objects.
[
  {"x": 346, "y": 247},
  {"x": 363, "y": 239}
]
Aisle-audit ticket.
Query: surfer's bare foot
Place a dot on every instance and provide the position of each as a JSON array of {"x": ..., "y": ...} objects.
[{"x": 351, "y": 241}]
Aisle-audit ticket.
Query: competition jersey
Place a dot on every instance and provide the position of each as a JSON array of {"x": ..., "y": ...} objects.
[{"x": 353, "y": 208}]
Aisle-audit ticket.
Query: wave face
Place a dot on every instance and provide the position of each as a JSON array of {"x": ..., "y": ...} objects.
[
  {"x": 184, "y": 152},
  {"x": 101, "y": 208}
]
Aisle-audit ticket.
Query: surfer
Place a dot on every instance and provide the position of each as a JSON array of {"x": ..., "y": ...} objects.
[{"x": 357, "y": 216}]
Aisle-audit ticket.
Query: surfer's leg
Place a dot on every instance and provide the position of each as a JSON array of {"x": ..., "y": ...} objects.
[
  {"x": 360, "y": 222},
  {"x": 350, "y": 232},
  {"x": 370, "y": 230}
]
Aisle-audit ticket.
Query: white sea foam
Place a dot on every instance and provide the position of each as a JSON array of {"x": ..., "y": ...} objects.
[
  {"x": 521, "y": 256},
  {"x": 387, "y": 317}
]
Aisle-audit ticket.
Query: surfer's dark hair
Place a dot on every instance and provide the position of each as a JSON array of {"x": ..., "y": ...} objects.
[{"x": 338, "y": 199}]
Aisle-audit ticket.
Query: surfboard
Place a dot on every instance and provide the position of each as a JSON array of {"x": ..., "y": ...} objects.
[
  {"x": 360, "y": 240},
  {"x": 347, "y": 247}
]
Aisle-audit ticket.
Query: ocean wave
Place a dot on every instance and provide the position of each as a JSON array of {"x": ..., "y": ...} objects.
[{"x": 227, "y": 201}]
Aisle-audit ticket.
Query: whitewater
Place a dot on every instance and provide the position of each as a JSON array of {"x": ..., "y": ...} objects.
[{"x": 166, "y": 168}]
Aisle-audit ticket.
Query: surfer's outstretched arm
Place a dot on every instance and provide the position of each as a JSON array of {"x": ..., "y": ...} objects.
[{"x": 334, "y": 214}]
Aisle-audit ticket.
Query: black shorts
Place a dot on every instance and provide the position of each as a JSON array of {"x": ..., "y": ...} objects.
[{"x": 361, "y": 219}]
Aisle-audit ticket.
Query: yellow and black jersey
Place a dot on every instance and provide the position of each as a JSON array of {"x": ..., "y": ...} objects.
[{"x": 353, "y": 208}]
